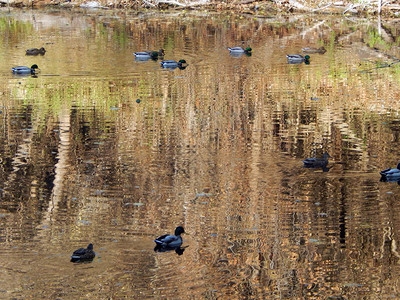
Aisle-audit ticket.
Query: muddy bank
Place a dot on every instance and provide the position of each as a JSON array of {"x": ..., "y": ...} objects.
[{"x": 388, "y": 8}]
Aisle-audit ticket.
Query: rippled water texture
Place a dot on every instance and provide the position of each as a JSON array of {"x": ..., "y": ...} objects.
[{"x": 100, "y": 148}]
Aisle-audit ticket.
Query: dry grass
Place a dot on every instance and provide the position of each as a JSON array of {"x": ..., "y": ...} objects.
[{"x": 248, "y": 6}]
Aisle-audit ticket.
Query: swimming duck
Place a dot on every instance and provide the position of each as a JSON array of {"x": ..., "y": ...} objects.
[
  {"x": 315, "y": 162},
  {"x": 36, "y": 51},
  {"x": 25, "y": 70},
  {"x": 169, "y": 240},
  {"x": 320, "y": 50},
  {"x": 390, "y": 179},
  {"x": 240, "y": 50},
  {"x": 391, "y": 173},
  {"x": 298, "y": 59},
  {"x": 83, "y": 254},
  {"x": 172, "y": 64},
  {"x": 150, "y": 54}
]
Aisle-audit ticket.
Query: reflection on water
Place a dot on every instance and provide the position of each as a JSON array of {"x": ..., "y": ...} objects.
[{"x": 217, "y": 147}]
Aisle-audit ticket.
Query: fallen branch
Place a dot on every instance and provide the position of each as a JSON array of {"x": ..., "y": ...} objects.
[
  {"x": 350, "y": 7},
  {"x": 244, "y": 2},
  {"x": 149, "y": 3},
  {"x": 321, "y": 8},
  {"x": 175, "y": 3},
  {"x": 298, "y": 5},
  {"x": 172, "y": 2}
]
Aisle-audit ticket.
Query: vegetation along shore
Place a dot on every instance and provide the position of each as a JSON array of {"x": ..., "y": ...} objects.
[{"x": 369, "y": 7}]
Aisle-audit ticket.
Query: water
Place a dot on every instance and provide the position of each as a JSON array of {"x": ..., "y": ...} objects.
[{"x": 216, "y": 147}]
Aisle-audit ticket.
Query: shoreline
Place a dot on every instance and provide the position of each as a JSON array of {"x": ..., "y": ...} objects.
[{"x": 252, "y": 7}]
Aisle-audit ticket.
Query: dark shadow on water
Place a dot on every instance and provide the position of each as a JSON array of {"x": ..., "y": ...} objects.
[
  {"x": 171, "y": 68},
  {"x": 324, "y": 168},
  {"x": 81, "y": 261},
  {"x": 179, "y": 250},
  {"x": 147, "y": 58}
]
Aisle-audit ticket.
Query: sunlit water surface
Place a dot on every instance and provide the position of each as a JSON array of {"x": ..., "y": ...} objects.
[{"x": 100, "y": 148}]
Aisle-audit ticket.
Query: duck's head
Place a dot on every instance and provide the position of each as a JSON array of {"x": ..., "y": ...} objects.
[
  {"x": 182, "y": 61},
  {"x": 398, "y": 166},
  {"x": 179, "y": 230},
  {"x": 42, "y": 50},
  {"x": 161, "y": 52},
  {"x": 35, "y": 66},
  {"x": 90, "y": 246},
  {"x": 326, "y": 155},
  {"x": 154, "y": 54},
  {"x": 248, "y": 49},
  {"x": 307, "y": 57}
]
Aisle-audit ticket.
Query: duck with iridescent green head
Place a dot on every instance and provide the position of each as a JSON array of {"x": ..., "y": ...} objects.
[
  {"x": 25, "y": 70},
  {"x": 172, "y": 64},
  {"x": 298, "y": 59},
  {"x": 239, "y": 51}
]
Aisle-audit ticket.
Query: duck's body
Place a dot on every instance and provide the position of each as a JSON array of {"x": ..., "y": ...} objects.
[
  {"x": 25, "y": 70},
  {"x": 239, "y": 50},
  {"x": 315, "y": 162},
  {"x": 170, "y": 241},
  {"x": 310, "y": 50},
  {"x": 83, "y": 254},
  {"x": 391, "y": 173},
  {"x": 298, "y": 59},
  {"x": 150, "y": 54},
  {"x": 36, "y": 51},
  {"x": 143, "y": 56},
  {"x": 172, "y": 64}
]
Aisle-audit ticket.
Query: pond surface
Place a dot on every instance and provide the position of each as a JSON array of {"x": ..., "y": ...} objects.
[{"x": 100, "y": 148}]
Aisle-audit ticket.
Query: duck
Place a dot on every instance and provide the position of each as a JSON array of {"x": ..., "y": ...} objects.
[
  {"x": 390, "y": 179},
  {"x": 170, "y": 241},
  {"x": 25, "y": 70},
  {"x": 159, "y": 53},
  {"x": 240, "y": 50},
  {"x": 83, "y": 254},
  {"x": 36, "y": 51},
  {"x": 315, "y": 162},
  {"x": 391, "y": 173},
  {"x": 320, "y": 50},
  {"x": 172, "y": 64},
  {"x": 150, "y": 54},
  {"x": 298, "y": 59}
]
